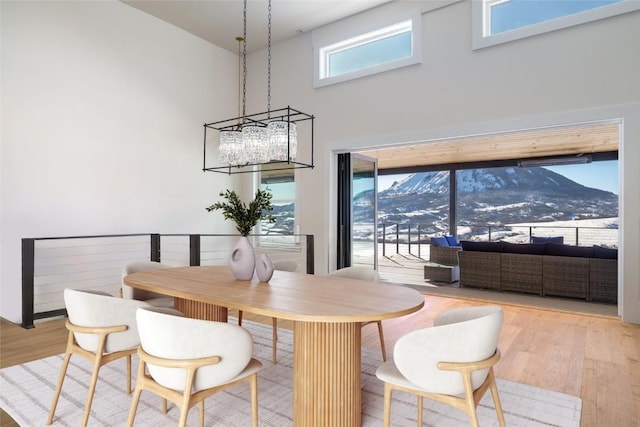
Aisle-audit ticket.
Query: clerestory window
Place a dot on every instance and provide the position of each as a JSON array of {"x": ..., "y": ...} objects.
[
  {"x": 348, "y": 57},
  {"x": 501, "y": 21}
]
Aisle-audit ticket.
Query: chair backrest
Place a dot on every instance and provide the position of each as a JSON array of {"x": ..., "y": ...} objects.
[
  {"x": 174, "y": 337},
  {"x": 357, "y": 272},
  {"x": 87, "y": 308},
  {"x": 286, "y": 265},
  {"x": 468, "y": 334},
  {"x": 134, "y": 267}
]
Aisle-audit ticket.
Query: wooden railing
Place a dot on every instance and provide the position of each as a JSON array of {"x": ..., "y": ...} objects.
[{"x": 51, "y": 264}]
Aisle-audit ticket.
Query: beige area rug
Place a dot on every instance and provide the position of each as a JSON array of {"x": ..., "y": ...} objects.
[{"x": 26, "y": 391}]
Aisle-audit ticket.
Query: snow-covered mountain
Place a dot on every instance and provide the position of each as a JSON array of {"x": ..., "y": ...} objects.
[{"x": 490, "y": 196}]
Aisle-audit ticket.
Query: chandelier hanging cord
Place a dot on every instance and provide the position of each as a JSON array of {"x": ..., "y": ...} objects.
[
  {"x": 244, "y": 61},
  {"x": 239, "y": 40},
  {"x": 269, "y": 62}
]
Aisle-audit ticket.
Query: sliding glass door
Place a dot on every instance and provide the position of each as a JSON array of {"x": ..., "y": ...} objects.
[{"x": 357, "y": 211}]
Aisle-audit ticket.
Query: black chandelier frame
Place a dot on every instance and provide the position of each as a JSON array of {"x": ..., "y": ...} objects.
[{"x": 287, "y": 114}]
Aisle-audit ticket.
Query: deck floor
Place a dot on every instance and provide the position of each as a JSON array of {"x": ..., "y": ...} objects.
[{"x": 407, "y": 269}]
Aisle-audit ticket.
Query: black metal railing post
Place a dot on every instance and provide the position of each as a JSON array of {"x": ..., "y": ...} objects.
[
  {"x": 577, "y": 237},
  {"x": 194, "y": 249},
  {"x": 28, "y": 270},
  {"x": 419, "y": 244},
  {"x": 409, "y": 238},
  {"x": 384, "y": 239},
  {"x": 155, "y": 247},
  {"x": 397, "y": 238},
  {"x": 310, "y": 254}
]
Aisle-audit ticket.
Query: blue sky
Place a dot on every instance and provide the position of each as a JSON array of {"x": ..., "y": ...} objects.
[{"x": 520, "y": 13}]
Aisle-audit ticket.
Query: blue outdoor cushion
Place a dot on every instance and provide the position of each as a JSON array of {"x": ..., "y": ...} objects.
[
  {"x": 439, "y": 241},
  {"x": 452, "y": 240}
]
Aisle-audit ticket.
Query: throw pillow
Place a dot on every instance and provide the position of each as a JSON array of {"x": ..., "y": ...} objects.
[
  {"x": 538, "y": 239},
  {"x": 439, "y": 241},
  {"x": 452, "y": 240}
]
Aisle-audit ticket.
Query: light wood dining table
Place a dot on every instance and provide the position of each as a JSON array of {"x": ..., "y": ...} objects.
[{"x": 326, "y": 311}]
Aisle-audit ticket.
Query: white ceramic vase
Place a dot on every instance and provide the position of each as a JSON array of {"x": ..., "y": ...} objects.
[
  {"x": 264, "y": 268},
  {"x": 242, "y": 260}
]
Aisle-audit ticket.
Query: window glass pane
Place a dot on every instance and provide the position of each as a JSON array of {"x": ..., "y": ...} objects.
[
  {"x": 576, "y": 202},
  {"x": 370, "y": 54},
  {"x": 413, "y": 206},
  {"x": 282, "y": 186},
  {"x": 514, "y": 14}
]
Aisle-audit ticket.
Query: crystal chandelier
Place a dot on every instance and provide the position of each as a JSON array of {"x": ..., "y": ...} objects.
[{"x": 264, "y": 138}]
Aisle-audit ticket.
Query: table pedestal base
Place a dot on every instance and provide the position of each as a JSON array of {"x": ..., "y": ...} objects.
[
  {"x": 326, "y": 374},
  {"x": 201, "y": 310}
]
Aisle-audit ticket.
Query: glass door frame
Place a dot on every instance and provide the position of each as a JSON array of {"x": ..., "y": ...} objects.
[{"x": 345, "y": 208}]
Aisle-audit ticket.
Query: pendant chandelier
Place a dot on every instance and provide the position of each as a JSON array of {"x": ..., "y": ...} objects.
[{"x": 263, "y": 138}]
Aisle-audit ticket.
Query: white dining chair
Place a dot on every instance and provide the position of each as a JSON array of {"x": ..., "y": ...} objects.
[
  {"x": 189, "y": 360},
  {"x": 369, "y": 274},
  {"x": 451, "y": 362},
  {"x": 153, "y": 298},
  {"x": 282, "y": 265},
  {"x": 102, "y": 328}
]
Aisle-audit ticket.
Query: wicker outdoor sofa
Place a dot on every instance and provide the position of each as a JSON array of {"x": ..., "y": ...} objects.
[{"x": 547, "y": 269}]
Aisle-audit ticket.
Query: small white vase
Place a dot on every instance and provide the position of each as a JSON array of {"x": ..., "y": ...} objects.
[
  {"x": 242, "y": 260},
  {"x": 264, "y": 268}
]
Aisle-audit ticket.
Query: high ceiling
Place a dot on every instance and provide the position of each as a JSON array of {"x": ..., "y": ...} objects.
[
  {"x": 221, "y": 21},
  {"x": 586, "y": 139}
]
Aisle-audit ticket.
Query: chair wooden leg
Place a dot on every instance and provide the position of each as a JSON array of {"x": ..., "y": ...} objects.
[
  {"x": 382, "y": 347},
  {"x": 56, "y": 395},
  {"x": 136, "y": 394},
  {"x": 134, "y": 406},
  {"x": 387, "y": 405},
  {"x": 470, "y": 400},
  {"x": 496, "y": 398},
  {"x": 420, "y": 407},
  {"x": 274, "y": 340},
  {"x": 239, "y": 317},
  {"x": 186, "y": 397},
  {"x": 253, "y": 383},
  {"x": 164, "y": 406},
  {"x": 92, "y": 387},
  {"x": 128, "y": 374},
  {"x": 202, "y": 413}
]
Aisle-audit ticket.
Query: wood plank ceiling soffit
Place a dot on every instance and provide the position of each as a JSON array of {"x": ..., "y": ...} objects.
[{"x": 508, "y": 146}]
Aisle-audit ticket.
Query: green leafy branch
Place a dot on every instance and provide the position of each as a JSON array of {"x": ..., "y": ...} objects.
[{"x": 245, "y": 217}]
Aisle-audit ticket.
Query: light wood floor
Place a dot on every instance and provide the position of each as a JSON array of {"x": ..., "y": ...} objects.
[{"x": 592, "y": 356}]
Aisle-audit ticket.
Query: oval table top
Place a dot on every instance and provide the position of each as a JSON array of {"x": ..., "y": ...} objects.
[{"x": 288, "y": 295}]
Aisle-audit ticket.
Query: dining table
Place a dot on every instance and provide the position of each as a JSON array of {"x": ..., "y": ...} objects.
[{"x": 327, "y": 314}]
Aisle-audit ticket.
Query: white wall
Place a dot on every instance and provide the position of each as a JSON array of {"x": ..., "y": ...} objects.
[
  {"x": 102, "y": 113},
  {"x": 581, "y": 73}
]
